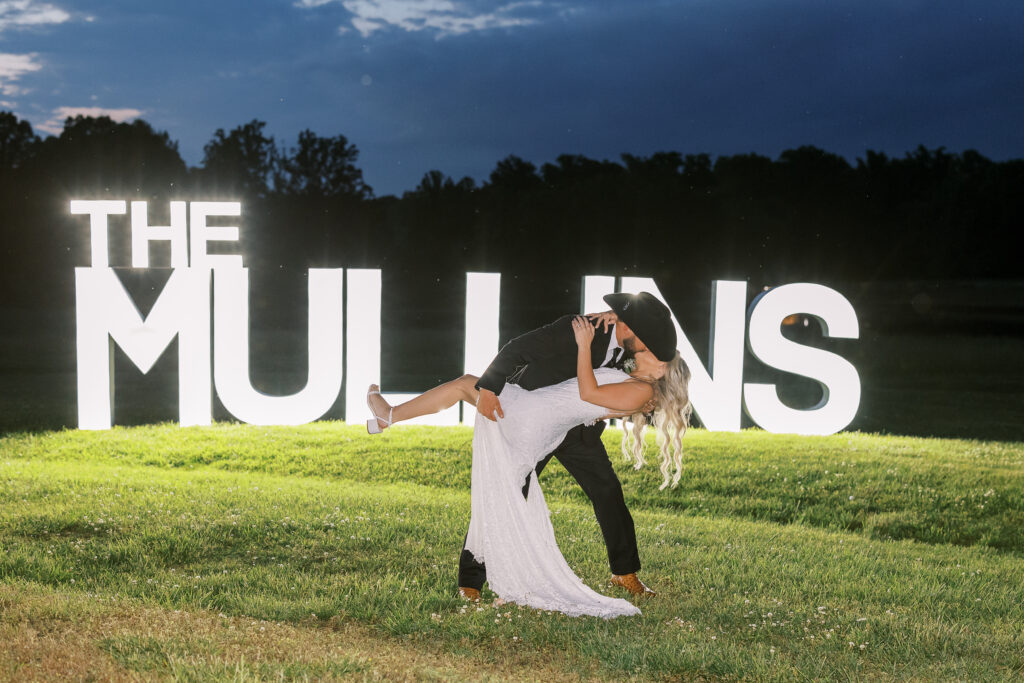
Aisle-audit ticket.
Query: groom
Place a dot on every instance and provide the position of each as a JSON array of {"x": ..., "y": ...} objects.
[{"x": 547, "y": 356}]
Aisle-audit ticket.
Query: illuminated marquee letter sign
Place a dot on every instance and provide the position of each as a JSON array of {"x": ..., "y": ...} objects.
[
  {"x": 106, "y": 315},
  {"x": 840, "y": 383}
]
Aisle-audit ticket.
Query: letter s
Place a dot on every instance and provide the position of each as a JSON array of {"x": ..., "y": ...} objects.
[{"x": 839, "y": 380}]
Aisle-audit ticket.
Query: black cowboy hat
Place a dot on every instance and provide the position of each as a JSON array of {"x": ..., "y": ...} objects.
[{"x": 649, "y": 319}]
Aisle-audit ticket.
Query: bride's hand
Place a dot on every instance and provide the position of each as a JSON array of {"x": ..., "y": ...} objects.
[
  {"x": 583, "y": 330},
  {"x": 607, "y": 319}
]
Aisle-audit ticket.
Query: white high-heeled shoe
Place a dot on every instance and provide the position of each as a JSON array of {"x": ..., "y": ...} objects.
[{"x": 372, "y": 426}]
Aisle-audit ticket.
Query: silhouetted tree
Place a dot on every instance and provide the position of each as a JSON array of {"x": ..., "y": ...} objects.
[
  {"x": 239, "y": 161},
  {"x": 17, "y": 140},
  {"x": 436, "y": 184},
  {"x": 513, "y": 174},
  {"x": 433, "y": 224},
  {"x": 321, "y": 167},
  {"x": 576, "y": 169},
  {"x": 658, "y": 167},
  {"x": 98, "y": 156},
  {"x": 697, "y": 171}
]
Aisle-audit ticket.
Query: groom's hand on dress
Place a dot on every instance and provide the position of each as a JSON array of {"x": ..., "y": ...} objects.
[{"x": 487, "y": 404}]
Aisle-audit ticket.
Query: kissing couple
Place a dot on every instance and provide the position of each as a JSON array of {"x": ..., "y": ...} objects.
[{"x": 546, "y": 394}]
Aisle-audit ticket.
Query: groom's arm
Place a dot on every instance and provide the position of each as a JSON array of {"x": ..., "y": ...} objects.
[{"x": 552, "y": 339}]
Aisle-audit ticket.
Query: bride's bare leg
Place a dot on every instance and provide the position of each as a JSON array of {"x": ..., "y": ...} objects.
[{"x": 432, "y": 401}]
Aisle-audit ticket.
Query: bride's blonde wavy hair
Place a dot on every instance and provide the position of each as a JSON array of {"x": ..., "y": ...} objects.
[{"x": 671, "y": 419}]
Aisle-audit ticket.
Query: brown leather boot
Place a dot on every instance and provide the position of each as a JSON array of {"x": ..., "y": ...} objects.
[
  {"x": 631, "y": 583},
  {"x": 469, "y": 594}
]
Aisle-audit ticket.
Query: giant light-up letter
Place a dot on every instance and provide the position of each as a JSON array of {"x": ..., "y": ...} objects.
[
  {"x": 143, "y": 233},
  {"x": 363, "y": 302},
  {"x": 840, "y": 383},
  {"x": 714, "y": 391},
  {"x": 106, "y": 314},
  {"x": 231, "y": 350}
]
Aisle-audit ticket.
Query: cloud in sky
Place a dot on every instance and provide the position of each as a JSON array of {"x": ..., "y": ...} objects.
[
  {"x": 12, "y": 68},
  {"x": 56, "y": 123},
  {"x": 444, "y": 17},
  {"x": 25, "y": 13}
]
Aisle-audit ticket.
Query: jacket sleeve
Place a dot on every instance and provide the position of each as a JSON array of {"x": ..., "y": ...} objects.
[{"x": 552, "y": 339}]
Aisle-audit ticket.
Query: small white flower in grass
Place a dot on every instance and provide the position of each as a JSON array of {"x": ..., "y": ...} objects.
[{"x": 714, "y": 637}]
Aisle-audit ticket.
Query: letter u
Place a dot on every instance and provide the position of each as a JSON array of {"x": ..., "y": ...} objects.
[{"x": 231, "y": 350}]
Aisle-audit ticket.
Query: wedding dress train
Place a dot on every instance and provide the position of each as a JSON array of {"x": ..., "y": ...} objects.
[{"x": 513, "y": 536}]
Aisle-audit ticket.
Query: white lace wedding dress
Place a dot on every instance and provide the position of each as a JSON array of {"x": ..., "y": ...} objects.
[{"x": 512, "y": 535}]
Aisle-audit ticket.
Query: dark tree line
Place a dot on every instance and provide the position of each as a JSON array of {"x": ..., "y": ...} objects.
[
  {"x": 808, "y": 215},
  {"x": 97, "y": 154}
]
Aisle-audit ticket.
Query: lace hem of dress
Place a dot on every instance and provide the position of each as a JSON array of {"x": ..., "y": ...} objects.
[{"x": 620, "y": 608}]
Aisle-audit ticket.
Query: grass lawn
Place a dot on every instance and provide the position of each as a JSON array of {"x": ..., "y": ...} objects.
[{"x": 248, "y": 553}]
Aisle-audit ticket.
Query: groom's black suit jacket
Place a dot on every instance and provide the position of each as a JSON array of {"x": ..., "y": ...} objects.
[{"x": 542, "y": 357}]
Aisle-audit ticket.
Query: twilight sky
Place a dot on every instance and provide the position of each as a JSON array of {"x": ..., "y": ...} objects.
[{"x": 458, "y": 85}]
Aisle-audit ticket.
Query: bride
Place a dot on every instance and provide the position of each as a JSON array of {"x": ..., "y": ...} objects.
[{"x": 513, "y": 534}]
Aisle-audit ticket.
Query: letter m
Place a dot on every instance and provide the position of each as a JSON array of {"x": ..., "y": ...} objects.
[{"x": 107, "y": 315}]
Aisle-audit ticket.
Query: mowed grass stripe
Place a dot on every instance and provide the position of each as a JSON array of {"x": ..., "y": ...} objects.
[
  {"x": 931, "y": 490},
  {"x": 737, "y": 598},
  {"x": 86, "y": 637}
]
